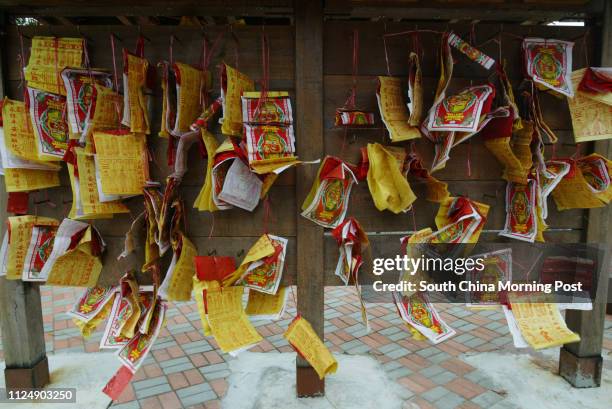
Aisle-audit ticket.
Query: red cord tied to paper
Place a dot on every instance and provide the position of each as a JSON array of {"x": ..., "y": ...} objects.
[
  {"x": 349, "y": 114},
  {"x": 265, "y": 79}
]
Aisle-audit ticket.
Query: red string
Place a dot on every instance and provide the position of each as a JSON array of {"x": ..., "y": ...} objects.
[
  {"x": 87, "y": 61},
  {"x": 207, "y": 53},
  {"x": 414, "y": 225},
  {"x": 56, "y": 47},
  {"x": 171, "y": 49},
  {"x": 350, "y": 102},
  {"x": 469, "y": 159},
  {"x": 237, "y": 44},
  {"x": 21, "y": 59},
  {"x": 386, "y": 56},
  {"x": 577, "y": 154},
  {"x": 265, "y": 68},
  {"x": 267, "y": 210},
  {"x": 140, "y": 46},
  {"x": 212, "y": 225},
  {"x": 343, "y": 142},
  {"x": 115, "y": 79}
]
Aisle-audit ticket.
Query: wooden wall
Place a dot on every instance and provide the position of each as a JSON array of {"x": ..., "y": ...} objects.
[{"x": 236, "y": 230}]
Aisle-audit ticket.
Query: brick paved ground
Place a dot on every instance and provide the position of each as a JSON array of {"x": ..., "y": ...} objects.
[{"x": 186, "y": 370}]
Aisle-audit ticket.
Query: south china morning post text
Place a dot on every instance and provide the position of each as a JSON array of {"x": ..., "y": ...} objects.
[{"x": 459, "y": 266}]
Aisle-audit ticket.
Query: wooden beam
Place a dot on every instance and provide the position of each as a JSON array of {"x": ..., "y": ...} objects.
[
  {"x": 190, "y": 21},
  {"x": 125, "y": 20},
  {"x": 146, "y": 21},
  {"x": 64, "y": 21},
  {"x": 134, "y": 8},
  {"x": 309, "y": 140},
  {"x": 21, "y": 321},
  {"x": 581, "y": 363},
  {"x": 499, "y": 11}
]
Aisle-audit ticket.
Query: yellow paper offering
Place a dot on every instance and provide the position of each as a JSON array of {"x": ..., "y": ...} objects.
[
  {"x": 91, "y": 206},
  {"x": 513, "y": 168},
  {"x": 266, "y": 306},
  {"x": 24, "y": 180},
  {"x": 460, "y": 220},
  {"x": 233, "y": 85},
  {"x": 587, "y": 185},
  {"x": 306, "y": 342},
  {"x": 49, "y": 56},
  {"x": 74, "y": 265},
  {"x": 87, "y": 327},
  {"x": 122, "y": 161},
  {"x": 393, "y": 110},
  {"x": 541, "y": 324},
  {"x": 263, "y": 247},
  {"x": 188, "y": 89},
  {"x": 204, "y": 201},
  {"x": 18, "y": 132},
  {"x": 20, "y": 228},
  {"x": 388, "y": 186},
  {"x": 198, "y": 293},
  {"x": 591, "y": 118},
  {"x": 106, "y": 109},
  {"x": 228, "y": 322},
  {"x": 135, "y": 114},
  {"x": 178, "y": 282}
]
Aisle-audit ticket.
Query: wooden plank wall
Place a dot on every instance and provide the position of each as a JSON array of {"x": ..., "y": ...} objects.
[
  {"x": 235, "y": 230},
  {"x": 484, "y": 184}
]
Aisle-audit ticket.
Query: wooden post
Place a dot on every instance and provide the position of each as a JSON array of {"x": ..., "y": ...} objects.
[
  {"x": 581, "y": 363},
  {"x": 21, "y": 320},
  {"x": 309, "y": 140}
]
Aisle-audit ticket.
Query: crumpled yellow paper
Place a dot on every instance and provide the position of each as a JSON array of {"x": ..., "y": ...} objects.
[
  {"x": 204, "y": 201},
  {"x": 77, "y": 267},
  {"x": 308, "y": 344},
  {"x": 263, "y": 247},
  {"x": 20, "y": 228},
  {"x": 389, "y": 188}
]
